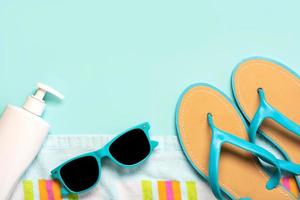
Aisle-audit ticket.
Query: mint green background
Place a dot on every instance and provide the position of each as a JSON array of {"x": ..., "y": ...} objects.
[{"x": 120, "y": 63}]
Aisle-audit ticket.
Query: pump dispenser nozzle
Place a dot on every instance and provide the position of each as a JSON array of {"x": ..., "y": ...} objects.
[{"x": 35, "y": 103}]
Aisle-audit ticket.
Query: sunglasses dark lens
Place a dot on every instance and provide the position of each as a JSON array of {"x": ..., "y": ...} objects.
[
  {"x": 80, "y": 174},
  {"x": 130, "y": 148}
]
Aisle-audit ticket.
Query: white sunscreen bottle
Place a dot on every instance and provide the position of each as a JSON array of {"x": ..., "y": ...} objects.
[{"x": 22, "y": 133}]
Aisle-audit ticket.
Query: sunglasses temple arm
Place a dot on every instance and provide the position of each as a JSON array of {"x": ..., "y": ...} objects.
[{"x": 154, "y": 144}]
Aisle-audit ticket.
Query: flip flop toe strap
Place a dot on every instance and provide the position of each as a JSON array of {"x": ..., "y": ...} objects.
[
  {"x": 220, "y": 137},
  {"x": 265, "y": 110}
]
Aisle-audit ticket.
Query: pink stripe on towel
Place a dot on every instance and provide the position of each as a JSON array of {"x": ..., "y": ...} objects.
[
  {"x": 169, "y": 189},
  {"x": 285, "y": 182},
  {"x": 49, "y": 189}
]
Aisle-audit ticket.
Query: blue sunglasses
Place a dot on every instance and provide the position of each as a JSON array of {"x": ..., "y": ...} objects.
[{"x": 82, "y": 173}]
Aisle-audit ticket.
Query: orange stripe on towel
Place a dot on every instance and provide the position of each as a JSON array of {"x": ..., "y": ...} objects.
[
  {"x": 293, "y": 187},
  {"x": 176, "y": 190},
  {"x": 56, "y": 190},
  {"x": 162, "y": 190},
  {"x": 43, "y": 190}
]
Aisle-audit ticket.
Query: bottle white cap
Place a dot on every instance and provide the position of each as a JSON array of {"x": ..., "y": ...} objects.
[{"x": 35, "y": 103}]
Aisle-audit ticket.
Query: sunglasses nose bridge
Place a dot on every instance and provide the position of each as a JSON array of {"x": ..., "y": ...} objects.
[{"x": 101, "y": 153}]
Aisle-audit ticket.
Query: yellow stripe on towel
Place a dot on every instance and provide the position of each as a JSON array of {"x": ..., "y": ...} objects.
[
  {"x": 147, "y": 190},
  {"x": 28, "y": 190},
  {"x": 73, "y": 197},
  {"x": 191, "y": 190}
]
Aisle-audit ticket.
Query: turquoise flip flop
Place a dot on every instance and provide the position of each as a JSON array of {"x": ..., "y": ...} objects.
[
  {"x": 268, "y": 94},
  {"x": 213, "y": 136}
]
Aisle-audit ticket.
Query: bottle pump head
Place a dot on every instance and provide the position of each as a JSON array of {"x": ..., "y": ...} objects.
[{"x": 35, "y": 103}]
